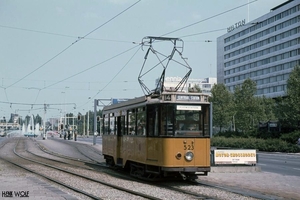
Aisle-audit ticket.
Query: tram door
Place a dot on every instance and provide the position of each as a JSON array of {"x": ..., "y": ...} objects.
[
  {"x": 153, "y": 144},
  {"x": 119, "y": 131}
]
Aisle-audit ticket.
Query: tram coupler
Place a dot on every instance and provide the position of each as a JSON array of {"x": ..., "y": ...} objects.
[{"x": 183, "y": 176}]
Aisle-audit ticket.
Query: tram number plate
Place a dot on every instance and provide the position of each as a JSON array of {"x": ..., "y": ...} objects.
[{"x": 188, "y": 146}]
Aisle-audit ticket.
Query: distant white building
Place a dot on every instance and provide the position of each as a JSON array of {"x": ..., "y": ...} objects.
[{"x": 204, "y": 84}]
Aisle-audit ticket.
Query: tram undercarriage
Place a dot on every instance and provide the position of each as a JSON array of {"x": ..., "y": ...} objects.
[{"x": 156, "y": 173}]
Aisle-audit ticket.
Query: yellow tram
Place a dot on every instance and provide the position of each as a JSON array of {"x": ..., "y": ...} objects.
[{"x": 159, "y": 136}]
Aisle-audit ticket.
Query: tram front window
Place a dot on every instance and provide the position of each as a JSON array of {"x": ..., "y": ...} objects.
[
  {"x": 182, "y": 120},
  {"x": 188, "y": 123}
]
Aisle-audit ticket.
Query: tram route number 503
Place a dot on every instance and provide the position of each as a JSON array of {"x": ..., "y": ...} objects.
[{"x": 188, "y": 146}]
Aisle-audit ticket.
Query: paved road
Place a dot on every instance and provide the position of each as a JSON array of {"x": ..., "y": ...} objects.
[
  {"x": 280, "y": 163},
  {"x": 90, "y": 139}
]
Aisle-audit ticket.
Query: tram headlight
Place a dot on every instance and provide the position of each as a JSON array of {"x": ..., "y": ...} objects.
[{"x": 189, "y": 156}]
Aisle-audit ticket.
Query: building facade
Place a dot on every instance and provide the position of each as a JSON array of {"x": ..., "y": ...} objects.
[
  {"x": 204, "y": 84},
  {"x": 265, "y": 50}
]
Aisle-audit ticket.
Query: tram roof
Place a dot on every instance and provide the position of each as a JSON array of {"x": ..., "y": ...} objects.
[
  {"x": 130, "y": 102},
  {"x": 139, "y": 101}
]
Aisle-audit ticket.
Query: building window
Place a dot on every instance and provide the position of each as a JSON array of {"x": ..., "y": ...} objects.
[
  {"x": 265, "y": 32},
  {"x": 266, "y": 90},
  {"x": 266, "y": 80}
]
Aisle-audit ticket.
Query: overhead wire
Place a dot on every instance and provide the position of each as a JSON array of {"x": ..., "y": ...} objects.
[
  {"x": 5, "y": 94},
  {"x": 37, "y": 96},
  {"x": 84, "y": 37},
  {"x": 112, "y": 18},
  {"x": 129, "y": 49},
  {"x": 114, "y": 75},
  {"x": 91, "y": 67},
  {"x": 119, "y": 71},
  {"x": 34, "y": 104},
  {"x": 62, "y": 35},
  {"x": 79, "y": 38},
  {"x": 138, "y": 45},
  {"x": 219, "y": 14},
  {"x": 211, "y": 31}
]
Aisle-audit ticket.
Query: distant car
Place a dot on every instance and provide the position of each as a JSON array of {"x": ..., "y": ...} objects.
[
  {"x": 2, "y": 133},
  {"x": 30, "y": 134}
]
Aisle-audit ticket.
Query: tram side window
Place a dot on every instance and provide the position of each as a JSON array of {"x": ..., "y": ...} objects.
[
  {"x": 116, "y": 128},
  {"x": 106, "y": 124},
  {"x": 132, "y": 122},
  {"x": 141, "y": 121},
  {"x": 206, "y": 120},
  {"x": 125, "y": 124},
  {"x": 123, "y": 128},
  {"x": 120, "y": 125},
  {"x": 167, "y": 120},
  {"x": 152, "y": 118},
  {"x": 111, "y": 124}
]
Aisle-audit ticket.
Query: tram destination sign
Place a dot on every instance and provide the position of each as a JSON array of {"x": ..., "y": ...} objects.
[
  {"x": 188, "y": 107},
  {"x": 181, "y": 97}
]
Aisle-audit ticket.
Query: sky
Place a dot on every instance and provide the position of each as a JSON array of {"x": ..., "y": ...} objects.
[{"x": 64, "y": 54}]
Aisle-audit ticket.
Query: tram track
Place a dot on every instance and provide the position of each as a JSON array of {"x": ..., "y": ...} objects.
[
  {"x": 187, "y": 190},
  {"x": 45, "y": 150},
  {"x": 62, "y": 176},
  {"x": 59, "y": 176},
  {"x": 125, "y": 176},
  {"x": 243, "y": 192}
]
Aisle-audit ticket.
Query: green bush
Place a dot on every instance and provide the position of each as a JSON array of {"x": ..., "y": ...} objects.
[
  {"x": 230, "y": 134},
  {"x": 291, "y": 138},
  {"x": 269, "y": 145}
]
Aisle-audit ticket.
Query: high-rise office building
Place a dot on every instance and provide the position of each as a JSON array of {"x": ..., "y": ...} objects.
[{"x": 265, "y": 50}]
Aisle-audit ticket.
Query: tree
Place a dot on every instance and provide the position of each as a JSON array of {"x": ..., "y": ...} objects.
[
  {"x": 246, "y": 105},
  {"x": 196, "y": 88},
  {"x": 265, "y": 111},
  {"x": 222, "y": 105},
  {"x": 27, "y": 119},
  {"x": 38, "y": 119},
  {"x": 293, "y": 96}
]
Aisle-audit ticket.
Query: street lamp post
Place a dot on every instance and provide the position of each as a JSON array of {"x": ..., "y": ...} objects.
[
  {"x": 84, "y": 123},
  {"x": 65, "y": 119},
  {"x": 88, "y": 124},
  {"x": 44, "y": 122},
  {"x": 96, "y": 101},
  {"x": 73, "y": 129},
  {"x": 95, "y": 121}
]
